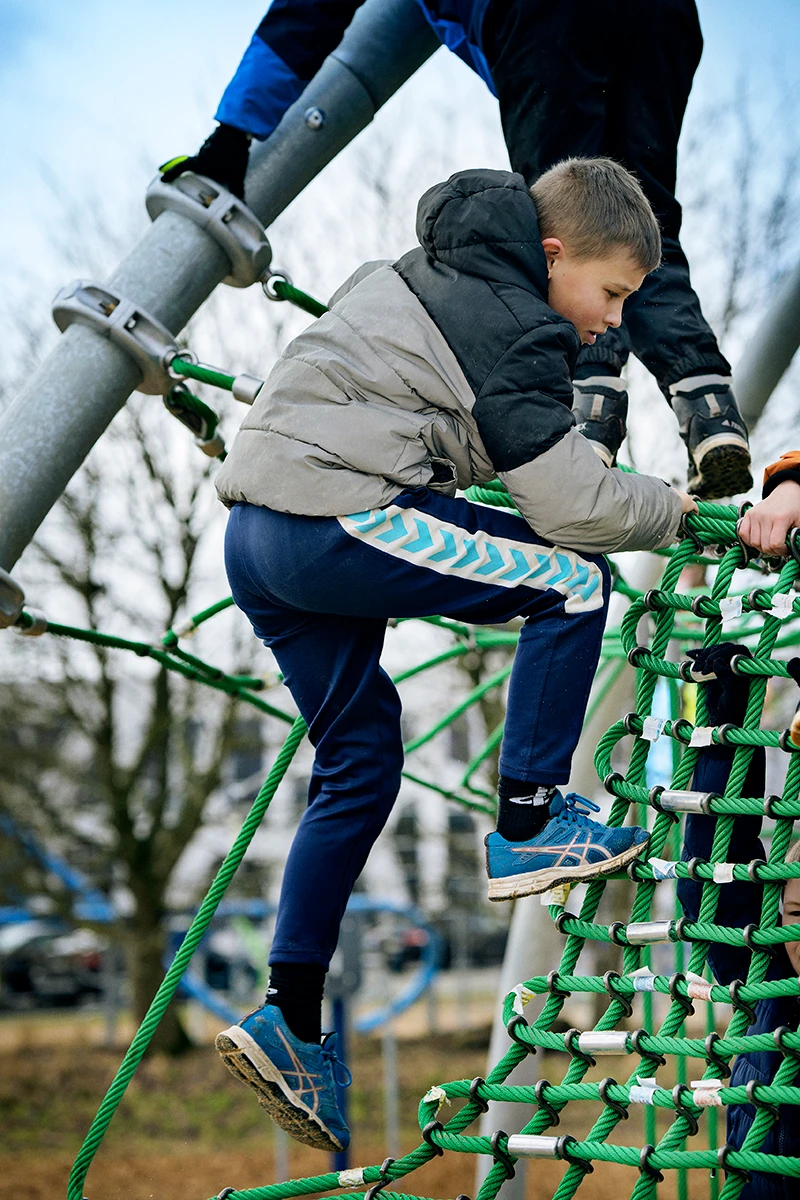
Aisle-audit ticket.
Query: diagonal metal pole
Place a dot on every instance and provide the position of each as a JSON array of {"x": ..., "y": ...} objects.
[
  {"x": 46, "y": 433},
  {"x": 770, "y": 350}
]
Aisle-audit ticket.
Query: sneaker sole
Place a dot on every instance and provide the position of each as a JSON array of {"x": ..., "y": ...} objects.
[
  {"x": 513, "y": 887},
  {"x": 245, "y": 1059},
  {"x": 722, "y": 465}
]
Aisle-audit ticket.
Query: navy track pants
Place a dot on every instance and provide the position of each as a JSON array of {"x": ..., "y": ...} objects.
[{"x": 319, "y": 590}]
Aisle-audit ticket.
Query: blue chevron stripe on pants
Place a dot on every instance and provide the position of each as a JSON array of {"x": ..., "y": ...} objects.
[{"x": 319, "y": 590}]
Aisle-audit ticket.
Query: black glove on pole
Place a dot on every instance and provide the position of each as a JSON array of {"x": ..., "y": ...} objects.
[{"x": 222, "y": 157}]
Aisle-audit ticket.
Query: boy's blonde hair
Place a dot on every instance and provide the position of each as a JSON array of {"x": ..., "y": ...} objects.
[{"x": 594, "y": 206}]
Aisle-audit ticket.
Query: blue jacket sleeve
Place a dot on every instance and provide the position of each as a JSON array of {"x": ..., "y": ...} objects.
[{"x": 286, "y": 51}]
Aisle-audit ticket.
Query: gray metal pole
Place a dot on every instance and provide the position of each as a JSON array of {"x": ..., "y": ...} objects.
[
  {"x": 770, "y": 350},
  {"x": 68, "y": 403},
  {"x": 532, "y": 948}
]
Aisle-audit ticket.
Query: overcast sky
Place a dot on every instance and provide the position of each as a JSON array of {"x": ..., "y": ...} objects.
[
  {"x": 94, "y": 95},
  {"x": 101, "y": 92}
]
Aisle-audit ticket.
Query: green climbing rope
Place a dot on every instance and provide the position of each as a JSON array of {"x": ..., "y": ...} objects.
[{"x": 760, "y": 618}]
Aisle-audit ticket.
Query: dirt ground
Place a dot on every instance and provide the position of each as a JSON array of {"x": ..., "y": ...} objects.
[{"x": 186, "y": 1129}]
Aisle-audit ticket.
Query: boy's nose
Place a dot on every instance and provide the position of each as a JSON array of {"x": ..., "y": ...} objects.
[{"x": 614, "y": 317}]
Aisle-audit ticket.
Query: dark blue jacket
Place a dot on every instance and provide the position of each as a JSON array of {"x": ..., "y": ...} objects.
[
  {"x": 740, "y": 904},
  {"x": 296, "y": 36}
]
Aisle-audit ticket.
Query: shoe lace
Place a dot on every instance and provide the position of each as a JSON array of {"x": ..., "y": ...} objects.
[
  {"x": 577, "y": 808},
  {"x": 341, "y": 1073}
]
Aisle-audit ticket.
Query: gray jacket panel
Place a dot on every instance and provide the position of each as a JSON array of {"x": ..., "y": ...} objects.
[
  {"x": 368, "y": 401},
  {"x": 569, "y": 497}
]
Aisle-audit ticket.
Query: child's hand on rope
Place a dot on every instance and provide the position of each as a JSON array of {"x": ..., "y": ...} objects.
[
  {"x": 688, "y": 503},
  {"x": 222, "y": 157},
  {"x": 766, "y": 525}
]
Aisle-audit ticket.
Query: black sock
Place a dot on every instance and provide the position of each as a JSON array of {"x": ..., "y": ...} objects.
[
  {"x": 296, "y": 989},
  {"x": 523, "y": 809}
]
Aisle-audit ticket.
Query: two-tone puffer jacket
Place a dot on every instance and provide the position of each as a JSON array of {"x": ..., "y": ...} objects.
[{"x": 442, "y": 370}]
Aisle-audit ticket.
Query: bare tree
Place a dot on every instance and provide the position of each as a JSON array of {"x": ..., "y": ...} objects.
[{"x": 109, "y": 762}]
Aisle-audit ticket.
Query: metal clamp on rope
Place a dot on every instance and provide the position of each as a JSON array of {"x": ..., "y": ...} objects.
[
  {"x": 552, "y": 1116},
  {"x": 722, "y": 1158},
  {"x": 572, "y": 1044},
  {"x": 791, "y": 542},
  {"x": 682, "y": 1107},
  {"x": 533, "y": 1145},
  {"x": 616, "y": 1106},
  {"x": 381, "y": 1183},
  {"x": 646, "y": 933},
  {"x": 564, "y": 1151},
  {"x": 686, "y": 802},
  {"x": 685, "y": 533},
  {"x": 31, "y": 623},
  {"x": 427, "y": 1136},
  {"x": 636, "y": 1043},
  {"x": 748, "y": 552},
  {"x": 714, "y": 1057},
  {"x": 500, "y": 1154},
  {"x": 223, "y": 216},
  {"x": 610, "y": 984},
  {"x": 511, "y": 1030},
  {"x": 478, "y": 1082},
  {"x": 268, "y": 284},
  {"x": 738, "y": 1004},
  {"x": 603, "y": 1041},
  {"x": 757, "y": 1102},
  {"x": 646, "y": 1167},
  {"x": 12, "y": 598},
  {"x": 142, "y": 337}
]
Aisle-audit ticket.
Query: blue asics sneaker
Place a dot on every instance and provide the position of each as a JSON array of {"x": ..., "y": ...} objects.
[
  {"x": 570, "y": 849},
  {"x": 294, "y": 1080}
]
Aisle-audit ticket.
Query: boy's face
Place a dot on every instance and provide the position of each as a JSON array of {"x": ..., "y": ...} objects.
[
  {"x": 590, "y": 291},
  {"x": 791, "y": 916}
]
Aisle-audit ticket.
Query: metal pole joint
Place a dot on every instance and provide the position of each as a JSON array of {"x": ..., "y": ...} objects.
[
  {"x": 223, "y": 216},
  {"x": 144, "y": 339}
]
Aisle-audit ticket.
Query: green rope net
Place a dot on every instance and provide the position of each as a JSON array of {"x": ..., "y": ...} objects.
[{"x": 762, "y": 619}]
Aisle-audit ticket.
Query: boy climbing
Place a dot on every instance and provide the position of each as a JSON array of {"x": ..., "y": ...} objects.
[
  {"x": 431, "y": 374},
  {"x": 567, "y": 84}
]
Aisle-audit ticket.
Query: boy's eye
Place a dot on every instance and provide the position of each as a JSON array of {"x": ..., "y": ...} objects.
[{"x": 612, "y": 295}]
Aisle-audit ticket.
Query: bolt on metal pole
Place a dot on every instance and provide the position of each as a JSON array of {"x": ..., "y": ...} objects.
[{"x": 46, "y": 433}]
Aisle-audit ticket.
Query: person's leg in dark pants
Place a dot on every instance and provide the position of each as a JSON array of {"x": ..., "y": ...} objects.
[
  {"x": 426, "y": 554},
  {"x": 568, "y": 85}
]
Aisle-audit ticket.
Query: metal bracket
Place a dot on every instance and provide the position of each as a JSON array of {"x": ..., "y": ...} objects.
[
  {"x": 222, "y": 215},
  {"x": 142, "y": 337},
  {"x": 12, "y": 598}
]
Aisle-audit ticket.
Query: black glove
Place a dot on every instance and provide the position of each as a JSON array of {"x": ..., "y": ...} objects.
[
  {"x": 726, "y": 696},
  {"x": 222, "y": 157}
]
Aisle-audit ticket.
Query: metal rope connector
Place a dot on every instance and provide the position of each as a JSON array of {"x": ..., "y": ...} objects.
[
  {"x": 144, "y": 339},
  {"x": 223, "y": 216}
]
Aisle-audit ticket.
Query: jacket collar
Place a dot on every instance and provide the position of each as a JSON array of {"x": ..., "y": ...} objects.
[{"x": 484, "y": 223}]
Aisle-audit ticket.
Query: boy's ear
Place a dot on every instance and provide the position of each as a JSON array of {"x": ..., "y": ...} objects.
[{"x": 553, "y": 249}]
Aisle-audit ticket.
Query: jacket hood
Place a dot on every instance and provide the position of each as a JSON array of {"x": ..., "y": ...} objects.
[{"x": 484, "y": 223}]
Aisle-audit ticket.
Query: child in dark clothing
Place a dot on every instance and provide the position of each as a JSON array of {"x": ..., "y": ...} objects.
[
  {"x": 740, "y": 906},
  {"x": 567, "y": 84},
  {"x": 442, "y": 370}
]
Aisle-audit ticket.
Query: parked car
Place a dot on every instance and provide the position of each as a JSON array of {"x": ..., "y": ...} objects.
[{"x": 42, "y": 963}]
